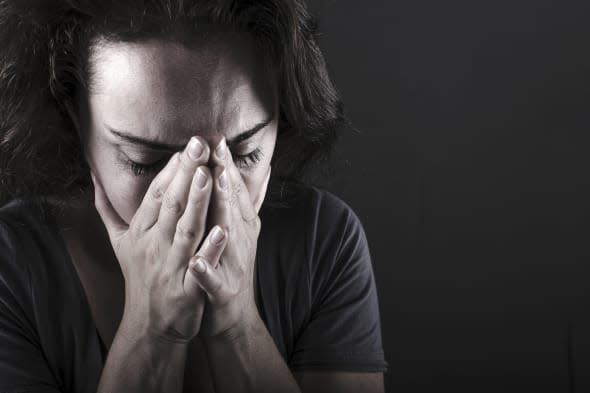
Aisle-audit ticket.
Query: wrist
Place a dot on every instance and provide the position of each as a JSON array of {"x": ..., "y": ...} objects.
[
  {"x": 247, "y": 323},
  {"x": 136, "y": 330}
]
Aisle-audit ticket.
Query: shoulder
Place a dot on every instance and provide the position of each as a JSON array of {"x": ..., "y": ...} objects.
[
  {"x": 20, "y": 251},
  {"x": 317, "y": 207},
  {"x": 20, "y": 223},
  {"x": 25, "y": 244},
  {"x": 39, "y": 313},
  {"x": 24, "y": 215},
  {"x": 24, "y": 225},
  {"x": 340, "y": 330},
  {"x": 332, "y": 213},
  {"x": 322, "y": 229},
  {"x": 327, "y": 205}
]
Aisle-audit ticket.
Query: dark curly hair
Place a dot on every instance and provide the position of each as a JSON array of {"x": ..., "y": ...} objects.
[{"x": 44, "y": 46}]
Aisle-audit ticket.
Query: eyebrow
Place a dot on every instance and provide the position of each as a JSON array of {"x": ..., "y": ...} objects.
[{"x": 155, "y": 145}]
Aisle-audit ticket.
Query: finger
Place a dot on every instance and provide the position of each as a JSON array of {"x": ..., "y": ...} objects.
[
  {"x": 262, "y": 194},
  {"x": 208, "y": 254},
  {"x": 206, "y": 278},
  {"x": 242, "y": 206},
  {"x": 240, "y": 199},
  {"x": 114, "y": 224},
  {"x": 174, "y": 202},
  {"x": 191, "y": 226},
  {"x": 147, "y": 213},
  {"x": 213, "y": 246},
  {"x": 219, "y": 207}
]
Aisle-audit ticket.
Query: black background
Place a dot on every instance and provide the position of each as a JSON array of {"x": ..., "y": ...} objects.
[{"x": 471, "y": 177}]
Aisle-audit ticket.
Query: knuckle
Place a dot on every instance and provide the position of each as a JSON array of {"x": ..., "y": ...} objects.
[
  {"x": 257, "y": 223},
  {"x": 237, "y": 188},
  {"x": 216, "y": 288},
  {"x": 157, "y": 192},
  {"x": 203, "y": 258},
  {"x": 224, "y": 199},
  {"x": 229, "y": 291},
  {"x": 186, "y": 234},
  {"x": 241, "y": 270},
  {"x": 173, "y": 205},
  {"x": 186, "y": 164},
  {"x": 233, "y": 200},
  {"x": 134, "y": 221},
  {"x": 253, "y": 222},
  {"x": 134, "y": 228},
  {"x": 196, "y": 198},
  {"x": 235, "y": 194}
]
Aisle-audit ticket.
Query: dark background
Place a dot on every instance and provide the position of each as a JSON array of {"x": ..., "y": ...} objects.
[{"x": 471, "y": 177}]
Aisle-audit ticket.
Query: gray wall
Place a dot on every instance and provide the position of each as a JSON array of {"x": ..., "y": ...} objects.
[{"x": 472, "y": 179}]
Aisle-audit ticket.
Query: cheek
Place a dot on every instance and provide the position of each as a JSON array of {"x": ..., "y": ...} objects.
[
  {"x": 124, "y": 194},
  {"x": 124, "y": 191},
  {"x": 252, "y": 184},
  {"x": 254, "y": 179}
]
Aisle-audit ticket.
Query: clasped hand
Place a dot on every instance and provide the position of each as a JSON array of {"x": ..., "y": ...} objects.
[{"x": 181, "y": 280}]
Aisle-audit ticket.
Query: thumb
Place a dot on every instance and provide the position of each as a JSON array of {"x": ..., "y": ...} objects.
[{"x": 114, "y": 224}]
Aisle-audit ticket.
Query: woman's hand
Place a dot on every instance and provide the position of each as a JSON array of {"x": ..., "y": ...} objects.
[
  {"x": 162, "y": 297},
  {"x": 229, "y": 281}
]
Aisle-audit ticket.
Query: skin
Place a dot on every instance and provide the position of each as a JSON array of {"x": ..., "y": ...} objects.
[
  {"x": 169, "y": 93},
  {"x": 140, "y": 90}
]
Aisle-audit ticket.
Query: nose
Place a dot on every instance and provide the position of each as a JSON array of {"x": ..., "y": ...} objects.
[{"x": 212, "y": 141}]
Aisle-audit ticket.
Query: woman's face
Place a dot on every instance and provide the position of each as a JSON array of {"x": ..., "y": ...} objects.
[{"x": 147, "y": 99}]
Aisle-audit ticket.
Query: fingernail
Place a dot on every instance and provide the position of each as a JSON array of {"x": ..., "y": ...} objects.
[
  {"x": 217, "y": 236},
  {"x": 201, "y": 178},
  {"x": 223, "y": 180},
  {"x": 221, "y": 148},
  {"x": 195, "y": 148},
  {"x": 200, "y": 266}
]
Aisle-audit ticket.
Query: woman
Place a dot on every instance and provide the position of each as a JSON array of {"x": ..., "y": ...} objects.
[{"x": 146, "y": 245}]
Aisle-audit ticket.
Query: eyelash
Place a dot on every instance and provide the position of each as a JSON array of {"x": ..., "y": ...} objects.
[{"x": 244, "y": 161}]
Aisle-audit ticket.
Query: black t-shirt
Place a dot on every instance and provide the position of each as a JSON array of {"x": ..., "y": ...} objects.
[{"x": 316, "y": 295}]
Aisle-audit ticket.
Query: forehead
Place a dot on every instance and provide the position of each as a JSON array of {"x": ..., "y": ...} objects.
[{"x": 166, "y": 91}]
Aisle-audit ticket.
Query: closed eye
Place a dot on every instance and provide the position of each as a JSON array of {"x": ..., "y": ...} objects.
[{"x": 244, "y": 161}]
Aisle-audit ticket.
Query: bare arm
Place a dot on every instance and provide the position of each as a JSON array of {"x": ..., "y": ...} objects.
[
  {"x": 140, "y": 363},
  {"x": 240, "y": 351},
  {"x": 163, "y": 302},
  {"x": 247, "y": 360}
]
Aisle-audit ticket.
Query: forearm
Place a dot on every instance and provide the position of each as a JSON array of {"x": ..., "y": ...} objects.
[
  {"x": 138, "y": 363},
  {"x": 247, "y": 360}
]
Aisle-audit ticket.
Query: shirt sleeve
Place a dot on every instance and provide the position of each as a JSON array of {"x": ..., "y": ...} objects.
[
  {"x": 23, "y": 367},
  {"x": 343, "y": 332}
]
